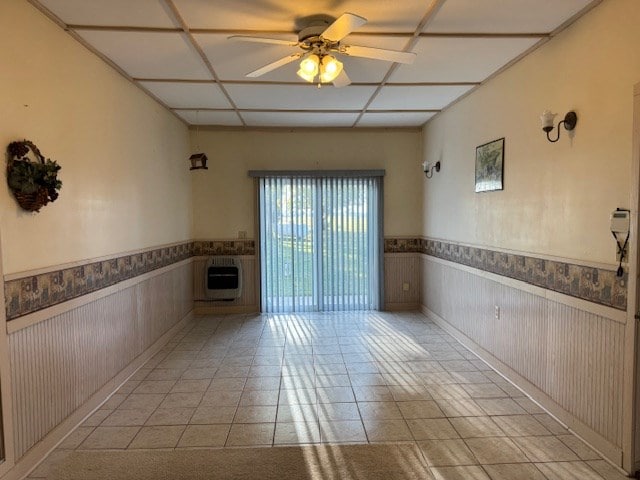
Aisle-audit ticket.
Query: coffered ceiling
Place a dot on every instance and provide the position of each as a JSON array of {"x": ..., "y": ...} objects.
[{"x": 178, "y": 51}]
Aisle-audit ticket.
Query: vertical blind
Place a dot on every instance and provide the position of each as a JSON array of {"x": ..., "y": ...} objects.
[{"x": 320, "y": 243}]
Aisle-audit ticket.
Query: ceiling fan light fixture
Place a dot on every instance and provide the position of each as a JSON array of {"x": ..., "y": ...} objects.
[
  {"x": 330, "y": 68},
  {"x": 309, "y": 67}
]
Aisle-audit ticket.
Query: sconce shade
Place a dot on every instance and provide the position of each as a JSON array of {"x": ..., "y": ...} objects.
[
  {"x": 198, "y": 161},
  {"x": 547, "y": 119},
  {"x": 329, "y": 69}
]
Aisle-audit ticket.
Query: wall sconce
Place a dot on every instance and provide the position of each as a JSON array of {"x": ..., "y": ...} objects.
[
  {"x": 570, "y": 120},
  {"x": 198, "y": 161},
  {"x": 428, "y": 168}
]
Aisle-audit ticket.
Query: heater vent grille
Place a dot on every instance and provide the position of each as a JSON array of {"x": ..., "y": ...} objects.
[{"x": 223, "y": 278}]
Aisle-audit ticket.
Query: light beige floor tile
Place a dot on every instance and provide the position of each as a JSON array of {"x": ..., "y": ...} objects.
[
  {"x": 221, "y": 398},
  {"x": 127, "y": 418},
  {"x": 459, "y": 473},
  {"x": 255, "y": 414},
  {"x": 484, "y": 390},
  {"x": 551, "y": 424},
  {"x": 263, "y": 383},
  {"x": 364, "y": 379},
  {"x": 232, "y": 372},
  {"x": 186, "y": 386},
  {"x": 157, "y": 437},
  {"x": 580, "y": 448},
  {"x": 297, "y": 413},
  {"x": 142, "y": 400},
  {"x": 182, "y": 400},
  {"x": 530, "y": 406},
  {"x": 295, "y": 433},
  {"x": 447, "y": 392},
  {"x": 372, "y": 393},
  {"x": 470, "y": 427},
  {"x": 520, "y": 425},
  {"x": 545, "y": 449},
  {"x": 155, "y": 386},
  {"x": 331, "y": 369},
  {"x": 267, "y": 360},
  {"x": 338, "y": 411},
  {"x": 251, "y": 434},
  {"x": 170, "y": 416},
  {"x": 110, "y": 437},
  {"x": 298, "y": 382},
  {"x": 96, "y": 418},
  {"x": 514, "y": 471},
  {"x": 204, "y": 436},
  {"x": 568, "y": 471},
  {"x": 379, "y": 411},
  {"x": 300, "y": 396},
  {"x": 490, "y": 450},
  {"x": 141, "y": 373},
  {"x": 129, "y": 386},
  {"x": 259, "y": 397},
  {"x": 387, "y": 430},
  {"x": 333, "y": 381},
  {"x": 75, "y": 438},
  {"x": 460, "y": 408},
  {"x": 211, "y": 415},
  {"x": 445, "y": 453},
  {"x": 165, "y": 374},
  {"x": 500, "y": 406},
  {"x": 420, "y": 409},
  {"x": 342, "y": 431},
  {"x": 406, "y": 393},
  {"x": 199, "y": 373},
  {"x": 335, "y": 395},
  {"x": 432, "y": 429},
  {"x": 226, "y": 384}
]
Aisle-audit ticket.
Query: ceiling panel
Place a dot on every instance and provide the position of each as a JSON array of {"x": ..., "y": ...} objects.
[
  {"x": 140, "y": 13},
  {"x": 394, "y": 119},
  {"x": 188, "y": 95},
  {"x": 149, "y": 54},
  {"x": 295, "y": 119},
  {"x": 232, "y": 60},
  {"x": 299, "y": 97},
  {"x": 226, "y": 118},
  {"x": 460, "y": 59},
  {"x": 499, "y": 16},
  {"x": 285, "y": 15},
  {"x": 417, "y": 97}
]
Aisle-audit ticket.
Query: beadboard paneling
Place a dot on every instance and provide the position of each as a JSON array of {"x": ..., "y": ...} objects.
[
  {"x": 573, "y": 356},
  {"x": 400, "y": 268},
  {"x": 57, "y": 364},
  {"x": 249, "y": 298}
]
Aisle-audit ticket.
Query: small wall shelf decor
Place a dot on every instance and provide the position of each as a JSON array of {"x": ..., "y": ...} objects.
[
  {"x": 490, "y": 166},
  {"x": 32, "y": 178}
]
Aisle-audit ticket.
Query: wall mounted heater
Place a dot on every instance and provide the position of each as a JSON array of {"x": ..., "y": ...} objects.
[{"x": 223, "y": 278}]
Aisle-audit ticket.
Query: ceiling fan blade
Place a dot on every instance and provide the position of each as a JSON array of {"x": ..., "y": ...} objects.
[
  {"x": 272, "y": 66},
  {"x": 342, "y": 80},
  {"x": 343, "y": 26},
  {"x": 378, "y": 53},
  {"x": 274, "y": 41}
]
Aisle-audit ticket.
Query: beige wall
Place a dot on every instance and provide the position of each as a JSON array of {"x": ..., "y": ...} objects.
[
  {"x": 125, "y": 179},
  {"x": 223, "y": 196},
  {"x": 557, "y": 197}
]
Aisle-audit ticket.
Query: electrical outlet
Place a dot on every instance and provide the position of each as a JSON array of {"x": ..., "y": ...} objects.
[
  {"x": 497, "y": 312},
  {"x": 405, "y": 287}
]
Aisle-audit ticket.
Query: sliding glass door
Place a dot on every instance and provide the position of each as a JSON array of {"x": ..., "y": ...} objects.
[{"x": 320, "y": 243}]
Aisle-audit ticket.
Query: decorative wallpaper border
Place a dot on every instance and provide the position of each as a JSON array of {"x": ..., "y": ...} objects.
[
  {"x": 35, "y": 292},
  {"x": 596, "y": 285}
]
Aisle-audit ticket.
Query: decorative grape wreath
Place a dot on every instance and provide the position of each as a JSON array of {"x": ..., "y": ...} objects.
[{"x": 34, "y": 182}]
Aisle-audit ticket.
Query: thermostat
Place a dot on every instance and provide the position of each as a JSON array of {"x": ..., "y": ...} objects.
[{"x": 620, "y": 221}]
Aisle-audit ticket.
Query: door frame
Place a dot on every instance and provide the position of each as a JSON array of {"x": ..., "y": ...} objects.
[
  {"x": 5, "y": 385},
  {"x": 631, "y": 383}
]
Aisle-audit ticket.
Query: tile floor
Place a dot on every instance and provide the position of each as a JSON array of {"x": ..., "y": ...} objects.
[{"x": 269, "y": 380}]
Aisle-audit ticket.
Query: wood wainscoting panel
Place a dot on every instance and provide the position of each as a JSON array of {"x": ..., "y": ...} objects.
[
  {"x": 573, "y": 356},
  {"x": 59, "y": 363}
]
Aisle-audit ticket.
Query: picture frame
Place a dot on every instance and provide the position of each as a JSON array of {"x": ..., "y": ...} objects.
[{"x": 490, "y": 166}]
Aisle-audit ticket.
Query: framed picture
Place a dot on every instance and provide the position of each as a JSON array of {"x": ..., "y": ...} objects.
[{"x": 490, "y": 166}]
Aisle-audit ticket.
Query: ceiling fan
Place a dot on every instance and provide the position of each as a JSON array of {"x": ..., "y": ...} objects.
[{"x": 319, "y": 40}]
